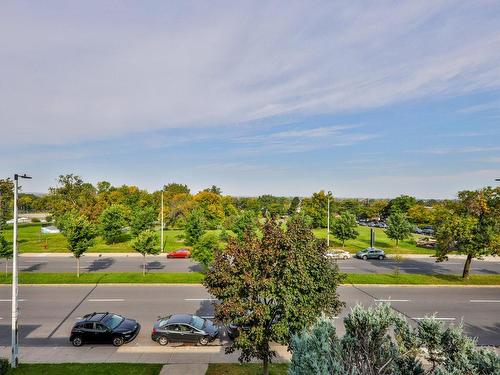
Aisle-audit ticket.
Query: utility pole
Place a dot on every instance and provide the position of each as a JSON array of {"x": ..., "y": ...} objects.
[
  {"x": 15, "y": 310},
  {"x": 328, "y": 221},
  {"x": 161, "y": 234}
]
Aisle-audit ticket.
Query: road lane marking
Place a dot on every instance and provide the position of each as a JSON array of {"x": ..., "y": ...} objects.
[
  {"x": 106, "y": 300},
  {"x": 200, "y": 299},
  {"x": 9, "y": 300},
  {"x": 430, "y": 317},
  {"x": 34, "y": 261},
  {"x": 485, "y": 301},
  {"x": 392, "y": 300}
]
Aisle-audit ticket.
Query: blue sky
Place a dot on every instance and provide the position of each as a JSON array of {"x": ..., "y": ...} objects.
[{"x": 256, "y": 97}]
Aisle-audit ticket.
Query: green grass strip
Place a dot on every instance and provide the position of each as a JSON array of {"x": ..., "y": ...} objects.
[
  {"x": 245, "y": 369},
  {"x": 197, "y": 278},
  {"x": 106, "y": 278},
  {"x": 420, "y": 279},
  {"x": 87, "y": 369}
]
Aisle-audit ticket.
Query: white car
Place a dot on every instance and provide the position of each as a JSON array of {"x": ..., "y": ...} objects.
[{"x": 338, "y": 254}]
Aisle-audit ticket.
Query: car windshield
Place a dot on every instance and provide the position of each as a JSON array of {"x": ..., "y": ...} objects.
[
  {"x": 112, "y": 321},
  {"x": 197, "y": 322}
]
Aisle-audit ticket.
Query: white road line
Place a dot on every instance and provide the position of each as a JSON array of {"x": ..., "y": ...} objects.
[
  {"x": 392, "y": 300},
  {"x": 435, "y": 318},
  {"x": 485, "y": 301},
  {"x": 200, "y": 299},
  {"x": 34, "y": 261},
  {"x": 9, "y": 300},
  {"x": 106, "y": 300}
]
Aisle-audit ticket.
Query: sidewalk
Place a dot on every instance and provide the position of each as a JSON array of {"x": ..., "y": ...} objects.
[{"x": 182, "y": 354}]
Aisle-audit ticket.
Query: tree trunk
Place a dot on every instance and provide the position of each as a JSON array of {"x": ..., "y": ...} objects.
[
  {"x": 78, "y": 267},
  {"x": 6, "y": 266},
  {"x": 468, "y": 261},
  {"x": 265, "y": 370},
  {"x": 343, "y": 243},
  {"x": 144, "y": 265}
]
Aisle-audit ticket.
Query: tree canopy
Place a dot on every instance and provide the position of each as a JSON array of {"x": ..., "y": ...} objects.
[
  {"x": 275, "y": 285},
  {"x": 147, "y": 242},
  {"x": 398, "y": 227},
  {"x": 344, "y": 227}
]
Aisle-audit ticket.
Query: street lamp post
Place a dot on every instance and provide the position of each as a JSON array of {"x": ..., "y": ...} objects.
[
  {"x": 328, "y": 221},
  {"x": 15, "y": 311},
  {"x": 161, "y": 233}
]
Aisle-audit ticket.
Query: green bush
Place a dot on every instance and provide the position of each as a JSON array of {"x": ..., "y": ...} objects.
[
  {"x": 35, "y": 220},
  {"x": 4, "y": 366}
]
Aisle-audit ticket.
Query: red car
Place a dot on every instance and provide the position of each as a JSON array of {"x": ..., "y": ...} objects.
[{"x": 181, "y": 253}]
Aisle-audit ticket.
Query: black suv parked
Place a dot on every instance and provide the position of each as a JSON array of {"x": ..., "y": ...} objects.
[{"x": 104, "y": 328}]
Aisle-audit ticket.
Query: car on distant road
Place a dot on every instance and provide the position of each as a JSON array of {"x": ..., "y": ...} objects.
[
  {"x": 181, "y": 253},
  {"x": 184, "y": 328},
  {"x": 428, "y": 230},
  {"x": 338, "y": 254},
  {"x": 371, "y": 253},
  {"x": 381, "y": 224},
  {"x": 417, "y": 230},
  {"x": 104, "y": 328}
]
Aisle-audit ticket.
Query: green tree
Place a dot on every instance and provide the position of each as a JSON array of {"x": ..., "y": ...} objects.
[
  {"x": 112, "y": 221},
  {"x": 470, "y": 226},
  {"x": 294, "y": 206},
  {"x": 316, "y": 207},
  {"x": 80, "y": 235},
  {"x": 214, "y": 189},
  {"x": 276, "y": 285},
  {"x": 5, "y": 251},
  {"x": 398, "y": 227},
  {"x": 142, "y": 219},
  {"x": 146, "y": 243},
  {"x": 195, "y": 227},
  {"x": 204, "y": 249},
  {"x": 245, "y": 223},
  {"x": 379, "y": 340},
  {"x": 344, "y": 227},
  {"x": 174, "y": 188},
  {"x": 399, "y": 204},
  {"x": 6, "y": 201}
]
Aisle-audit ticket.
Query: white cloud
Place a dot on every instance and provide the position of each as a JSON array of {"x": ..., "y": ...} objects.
[{"x": 94, "y": 70}]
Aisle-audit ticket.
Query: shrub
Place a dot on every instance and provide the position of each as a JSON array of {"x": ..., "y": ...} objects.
[
  {"x": 4, "y": 366},
  {"x": 35, "y": 220}
]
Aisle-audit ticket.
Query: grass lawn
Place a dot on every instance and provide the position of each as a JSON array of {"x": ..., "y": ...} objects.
[
  {"x": 246, "y": 369},
  {"x": 106, "y": 278},
  {"x": 418, "y": 279},
  {"x": 87, "y": 369},
  {"x": 381, "y": 241},
  {"x": 197, "y": 278},
  {"x": 32, "y": 241}
]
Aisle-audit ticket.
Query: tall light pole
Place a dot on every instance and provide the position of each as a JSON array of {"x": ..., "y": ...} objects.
[
  {"x": 328, "y": 221},
  {"x": 15, "y": 311},
  {"x": 161, "y": 234}
]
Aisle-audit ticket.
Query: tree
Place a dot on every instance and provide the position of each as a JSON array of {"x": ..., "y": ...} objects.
[
  {"x": 379, "y": 340},
  {"x": 245, "y": 223},
  {"x": 5, "y": 251},
  {"x": 112, "y": 221},
  {"x": 204, "y": 249},
  {"x": 420, "y": 214},
  {"x": 146, "y": 243},
  {"x": 142, "y": 219},
  {"x": 174, "y": 188},
  {"x": 210, "y": 205},
  {"x": 399, "y": 204},
  {"x": 470, "y": 226},
  {"x": 6, "y": 201},
  {"x": 214, "y": 189},
  {"x": 275, "y": 285},
  {"x": 344, "y": 227},
  {"x": 294, "y": 206},
  {"x": 195, "y": 227},
  {"x": 398, "y": 227},
  {"x": 80, "y": 234},
  {"x": 317, "y": 208}
]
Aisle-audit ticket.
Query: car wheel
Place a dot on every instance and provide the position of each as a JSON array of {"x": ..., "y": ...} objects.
[
  {"x": 380, "y": 257},
  {"x": 365, "y": 257},
  {"x": 77, "y": 341},
  {"x": 162, "y": 340},
  {"x": 118, "y": 341},
  {"x": 203, "y": 341}
]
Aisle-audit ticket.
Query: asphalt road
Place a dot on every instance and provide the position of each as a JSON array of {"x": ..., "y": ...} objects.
[
  {"x": 47, "y": 313},
  {"x": 162, "y": 264}
]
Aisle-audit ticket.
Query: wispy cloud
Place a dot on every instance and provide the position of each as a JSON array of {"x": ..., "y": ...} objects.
[
  {"x": 84, "y": 72},
  {"x": 456, "y": 150}
]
